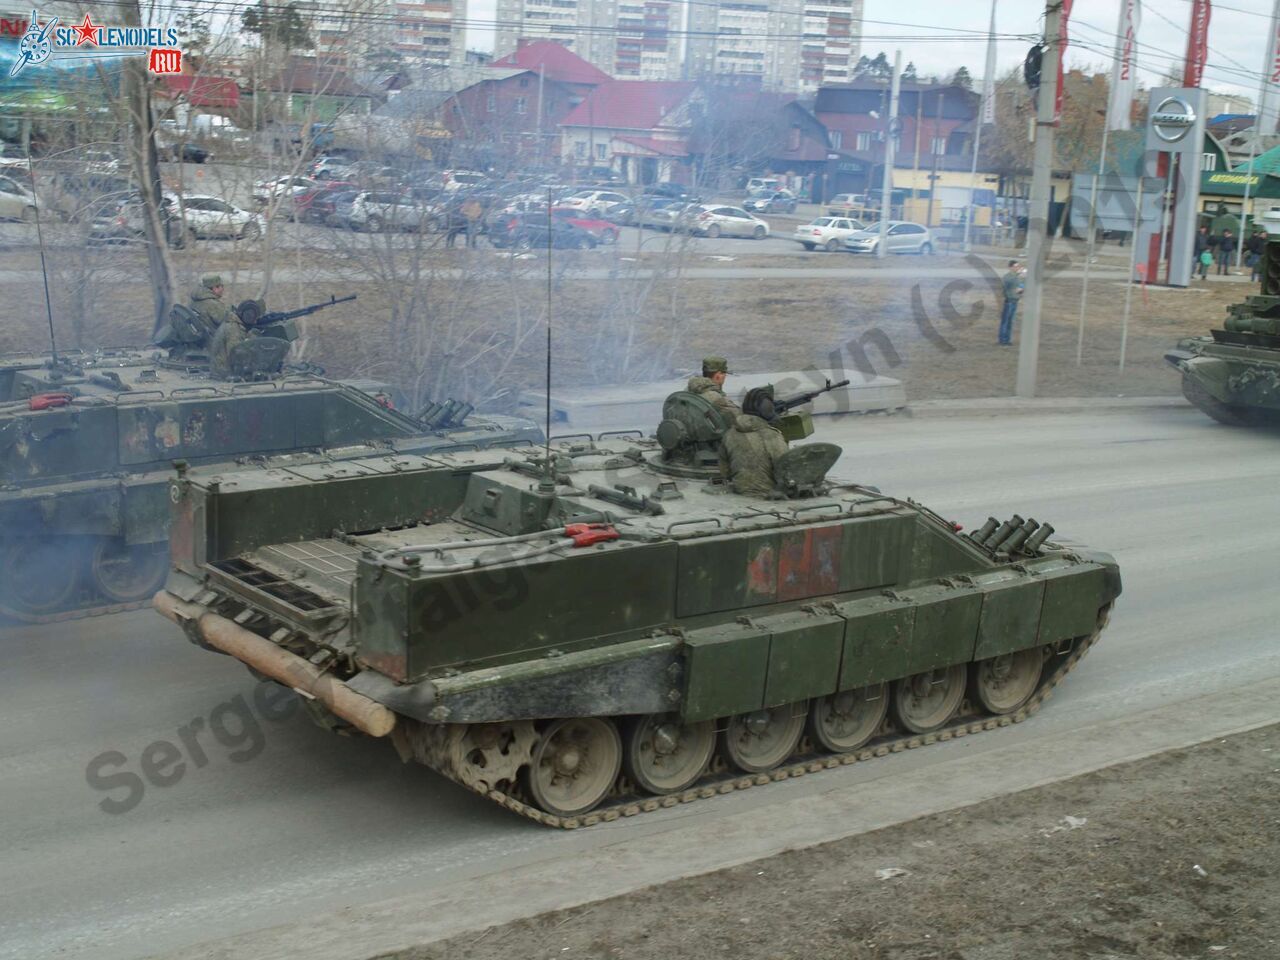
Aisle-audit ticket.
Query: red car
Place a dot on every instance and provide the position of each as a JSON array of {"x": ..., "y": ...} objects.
[
  {"x": 602, "y": 230},
  {"x": 314, "y": 206}
]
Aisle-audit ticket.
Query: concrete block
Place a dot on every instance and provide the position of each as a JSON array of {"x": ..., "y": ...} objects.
[{"x": 639, "y": 405}]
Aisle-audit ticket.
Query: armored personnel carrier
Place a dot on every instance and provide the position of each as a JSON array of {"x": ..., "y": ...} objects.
[
  {"x": 87, "y": 445},
  {"x": 605, "y": 627},
  {"x": 1233, "y": 374}
]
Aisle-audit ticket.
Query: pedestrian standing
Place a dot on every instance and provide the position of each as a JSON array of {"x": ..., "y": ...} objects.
[
  {"x": 472, "y": 212},
  {"x": 1253, "y": 259},
  {"x": 1226, "y": 248},
  {"x": 1012, "y": 286},
  {"x": 1204, "y": 258}
]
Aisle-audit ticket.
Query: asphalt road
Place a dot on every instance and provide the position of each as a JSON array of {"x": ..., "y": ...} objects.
[{"x": 303, "y": 822}]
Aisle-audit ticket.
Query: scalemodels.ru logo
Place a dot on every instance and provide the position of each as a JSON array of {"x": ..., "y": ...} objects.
[{"x": 38, "y": 43}]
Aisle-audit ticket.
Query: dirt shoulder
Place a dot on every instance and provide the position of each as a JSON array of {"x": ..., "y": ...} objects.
[{"x": 1174, "y": 856}]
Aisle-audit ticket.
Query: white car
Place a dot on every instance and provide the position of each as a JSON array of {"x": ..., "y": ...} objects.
[
  {"x": 714, "y": 221},
  {"x": 829, "y": 233},
  {"x": 100, "y": 161},
  {"x": 901, "y": 237},
  {"x": 377, "y": 210},
  {"x": 207, "y": 216},
  {"x": 596, "y": 202},
  {"x": 16, "y": 201},
  {"x": 264, "y": 191}
]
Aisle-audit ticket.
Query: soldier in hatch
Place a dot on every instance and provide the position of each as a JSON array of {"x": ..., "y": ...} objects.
[
  {"x": 231, "y": 331},
  {"x": 748, "y": 451},
  {"x": 206, "y": 301},
  {"x": 710, "y": 386}
]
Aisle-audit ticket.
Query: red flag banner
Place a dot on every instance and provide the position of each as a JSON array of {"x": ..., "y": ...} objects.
[
  {"x": 1062, "y": 58},
  {"x": 1197, "y": 43}
]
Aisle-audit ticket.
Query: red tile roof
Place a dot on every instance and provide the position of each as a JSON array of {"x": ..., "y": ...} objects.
[
  {"x": 202, "y": 91},
  {"x": 554, "y": 61},
  {"x": 629, "y": 104}
]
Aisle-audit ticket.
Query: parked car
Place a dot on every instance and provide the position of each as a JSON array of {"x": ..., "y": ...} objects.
[
  {"x": 331, "y": 168},
  {"x": 99, "y": 161},
  {"x": 530, "y": 233},
  {"x": 780, "y": 201},
  {"x": 264, "y": 191},
  {"x": 119, "y": 218},
  {"x": 672, "y": 216},
  {"x": 602, "y": 230},
  {"x": 454, "y": 180},
  {"x": 674, "y": 191},
  {"x": 758, "y": 185},
  {"x": 208, "y": 216},
  {"x": 16, "y": 201},
  {"x": 377, "y": 210},
  {"x": 829, "y": 233},
  {"x": 317, "y": 204},
  {"x": 594, "y": 202},
  {"x": 901, "y": 237},
  {"x": 846, "y": 204},
  {"x": 710, "y": 220},
  {"x": 181, "y": 151}
]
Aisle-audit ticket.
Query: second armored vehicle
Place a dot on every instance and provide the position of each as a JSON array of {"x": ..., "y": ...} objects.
[
  {"x": 87, "y": 445},
  {"x": 1233, "y": 374},
  {"x": 612, "y": 629}
]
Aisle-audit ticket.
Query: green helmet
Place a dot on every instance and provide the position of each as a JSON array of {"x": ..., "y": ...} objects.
[
  {"x": 712, "y": 365},
  {"x": 211, "y": 280}
]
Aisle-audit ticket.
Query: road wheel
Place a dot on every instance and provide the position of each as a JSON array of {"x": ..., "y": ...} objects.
[
  {"x": 713, "y": 231},
  {"x": 664, "y": 755},
  {"x": 609, "y": 236},
  {"x": 927, "y": 700},
  {"x": 250, "y": 231},
  {"x": 28, "y": 214},
  {"x": 124, "y": 573},
  {"x": 574, "y": 765},
  {"x": 833, "y": 245},
  {"x": 189, "y": 237},
  {"x": 38, "y": 575},
  {"x": 374, "y": 224},
  {"x": 1003, "y": 684},
  {"x": 524, "y": 243},
  {"x": 846, "y": 720},
  {"x": 759, "y": 233},
  {"x": 758, "y": 741},
  {"x": 926, "y": 250}
]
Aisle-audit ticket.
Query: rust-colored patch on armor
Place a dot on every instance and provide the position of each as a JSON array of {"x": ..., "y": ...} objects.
[
  {"x": 809, "y": 563},
  {"x": 762, "y": 572}
]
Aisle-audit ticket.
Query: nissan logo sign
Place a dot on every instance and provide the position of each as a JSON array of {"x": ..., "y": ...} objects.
[{"x": 1172, "y": 119}]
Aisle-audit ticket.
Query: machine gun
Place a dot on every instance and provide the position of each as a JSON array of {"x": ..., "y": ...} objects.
[
  {"x": 253, "y": 313},
  {"x": 760, "y": 402}
]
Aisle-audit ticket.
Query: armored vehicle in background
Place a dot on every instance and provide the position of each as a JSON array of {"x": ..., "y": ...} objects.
[
  {"x": 1233, "y": 374},
  {"x": 606, "y": 628},
  {"x": 87, "y": 445}
]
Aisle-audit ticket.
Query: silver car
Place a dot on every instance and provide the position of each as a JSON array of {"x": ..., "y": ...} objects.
[
  {"x": 16, "y": 201},
  {"x": 901, "y": 237},
  {"x": 711, "y": 220}
]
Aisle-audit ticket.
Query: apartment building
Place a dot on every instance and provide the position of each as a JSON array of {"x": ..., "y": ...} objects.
[
  {"x": 785, "y": 45},
  {"x": 423, "y": 32}
]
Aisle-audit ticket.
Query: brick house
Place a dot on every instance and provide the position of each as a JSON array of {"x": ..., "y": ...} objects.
[{"x": 515, "y": 115}]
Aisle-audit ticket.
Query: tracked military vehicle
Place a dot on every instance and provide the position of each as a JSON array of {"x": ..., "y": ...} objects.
[
  {"x": 87, "y": 445},
  {"x": 606, "y": 628},
  {"x": 1233, "y": 374}
]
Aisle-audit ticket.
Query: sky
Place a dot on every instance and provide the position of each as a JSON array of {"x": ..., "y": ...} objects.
[{"x": 1237, "y": 36}]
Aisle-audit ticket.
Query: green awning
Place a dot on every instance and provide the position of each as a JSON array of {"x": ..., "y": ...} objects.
[{"x": 1224, "y": 184}]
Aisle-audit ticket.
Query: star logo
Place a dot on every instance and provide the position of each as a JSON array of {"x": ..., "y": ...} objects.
[{"x": 87, "y": 31}]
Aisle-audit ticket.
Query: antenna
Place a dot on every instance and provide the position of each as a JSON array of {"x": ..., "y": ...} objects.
[
  {"x": 48, "y": 306},
  {"x": 548, "y": 480}
]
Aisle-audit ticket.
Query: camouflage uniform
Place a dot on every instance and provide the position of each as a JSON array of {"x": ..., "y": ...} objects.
[
  {"x": 230, "y": 333},
  {"x": 707, "y": 388},
  {"x": 748, "y": 452},
  {"x": 210, "y": 308}
]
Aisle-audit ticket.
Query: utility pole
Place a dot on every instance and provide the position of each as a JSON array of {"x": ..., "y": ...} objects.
[
  {"x": 1038, "y": 212},
  {"x": 891, "y": 128}
]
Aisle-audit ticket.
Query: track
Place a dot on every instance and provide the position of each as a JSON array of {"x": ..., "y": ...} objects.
[{"x": 718, "y": 783}]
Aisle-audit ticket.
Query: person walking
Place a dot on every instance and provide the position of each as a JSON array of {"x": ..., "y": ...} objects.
[
  {"x": 1012, "y": 285},
  {"x": 1226, "y": 250},
  {"x": 1203, "y": 254}
]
